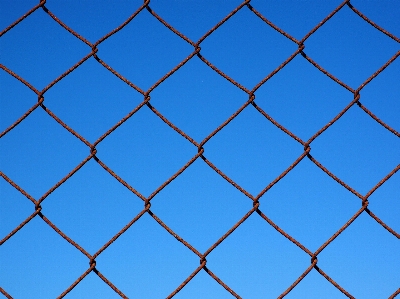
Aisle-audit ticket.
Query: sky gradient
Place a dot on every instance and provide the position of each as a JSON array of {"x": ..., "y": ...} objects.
[{"x": 200, "y": 205}]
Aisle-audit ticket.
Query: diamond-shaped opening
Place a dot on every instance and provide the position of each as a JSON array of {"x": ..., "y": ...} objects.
[
  {"x": 144, "y": 51},
  {"x": 92, "y": 287},
  {"x": 309, "y": 205},
  {"x": 200, "y": 206},
  {"x": 91, "y": 19},
  {"x": 146, "y": 261},
  {"x": 197, "y": 100},
  {"x": 349, "y": 48},
  {"x": 12, "y": 11},
  {"x": 39, "y": 50},
  {"x": 91, "y": 207},
  {"x": 91, "y": 100},
  {"x": 249, "y": 52},
  {"x": 302, "y": 104},
  {"x": 15, "y": 208},
  {"x": 252, "y": 151},
  {"x": 381, "y": 95},
  {"x": 145, "y": 152},
  {"x": 357, "y": 150},
  {"x": 384, "y": 13},
  {"x": 15, "y": 100},
  {"x": 315, "y": 286},
  {"x": 35, "y": 256},
  {"x": 192, "y": 18},
  {"x": 297, "y": 18},
  {"x": 364, "y": 259},
  {"x": 384, "y": 202},
  {"x": 203, "y": 286},
  {"x": 256, "y": 261},
  {"x": 39, "y": 152}
]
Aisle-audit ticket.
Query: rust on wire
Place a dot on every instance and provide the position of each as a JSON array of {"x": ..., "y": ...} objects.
[{"x": 254, "y": 204}]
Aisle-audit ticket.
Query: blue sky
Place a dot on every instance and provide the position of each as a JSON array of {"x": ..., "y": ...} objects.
[{"x": 200, "y": 206}]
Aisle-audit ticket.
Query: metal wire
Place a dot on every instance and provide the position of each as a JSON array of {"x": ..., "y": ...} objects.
[{"x": 146, "y": 103}]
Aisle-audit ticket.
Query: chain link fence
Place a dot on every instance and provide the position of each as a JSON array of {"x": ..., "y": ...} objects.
[{"x": 250, "y": 103}]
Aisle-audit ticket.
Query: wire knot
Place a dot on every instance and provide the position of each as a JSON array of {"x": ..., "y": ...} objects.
[
  {"x": 40, "y": 98},
  {"x": 147, "y": 204},
  {"x": 314, "y": 258},
  {"x": 197, "y": 49},
  {"x": 38, "y": 207},
  {"x": 93, "y": 151},
  {"x": 365, "y": 202},
  {"x": 203, "y": 260},
  {"x": 92, "y": 262}
]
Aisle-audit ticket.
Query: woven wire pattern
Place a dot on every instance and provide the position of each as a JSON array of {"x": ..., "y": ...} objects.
[{"x": 255, "y": 204}]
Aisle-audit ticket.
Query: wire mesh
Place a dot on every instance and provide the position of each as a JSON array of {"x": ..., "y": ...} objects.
[{"x": 256, "y": 206}]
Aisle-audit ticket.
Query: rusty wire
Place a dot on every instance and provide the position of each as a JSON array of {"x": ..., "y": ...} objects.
[{"x": 255, "y": 203}]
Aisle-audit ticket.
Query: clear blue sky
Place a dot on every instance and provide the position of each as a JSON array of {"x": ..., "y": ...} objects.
[{"x": 200, "y": 206}]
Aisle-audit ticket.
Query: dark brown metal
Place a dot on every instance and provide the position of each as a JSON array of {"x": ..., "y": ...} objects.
[{"x": 146, "y": 104}]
